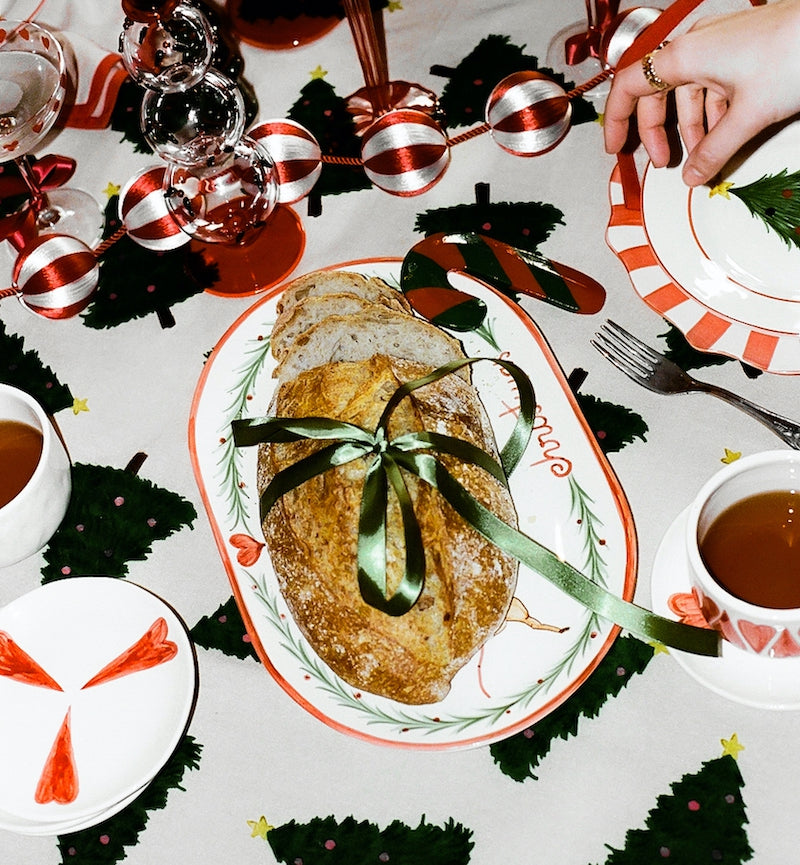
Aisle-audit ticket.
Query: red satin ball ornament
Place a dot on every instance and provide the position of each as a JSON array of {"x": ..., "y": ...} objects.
[
  {"x": 144, "y": 214},
  {"x": 296, "y": 154},
  {"x": 621, "y": 33},
  {"x": 528, "y": 113},
  {"x": 405, "y": 152},
  {"x": 56, "y": 276}
]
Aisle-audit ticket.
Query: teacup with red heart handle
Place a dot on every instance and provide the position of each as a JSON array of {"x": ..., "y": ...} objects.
[{"x": 743, "y": 547}]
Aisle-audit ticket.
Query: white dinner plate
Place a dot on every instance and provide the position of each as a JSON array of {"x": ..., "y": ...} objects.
[
  {"x": 766, "y": 683},
  {"x": 718, "y": 273},
  {"x": 566, "y": 495},
  {"x": 122, "y": 730}
]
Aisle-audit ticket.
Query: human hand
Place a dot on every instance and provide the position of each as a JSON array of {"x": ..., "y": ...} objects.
[{"x": 733, "y": 75}]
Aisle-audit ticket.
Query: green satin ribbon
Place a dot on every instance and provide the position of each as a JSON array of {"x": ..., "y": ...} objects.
[{"x": 411, "y": 452}]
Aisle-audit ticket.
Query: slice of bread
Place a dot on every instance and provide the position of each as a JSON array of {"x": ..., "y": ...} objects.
[
  {"x": 360, "y": 336},
  {"x": 296, "y": 319},
  {"x": 323, "y": 282}
]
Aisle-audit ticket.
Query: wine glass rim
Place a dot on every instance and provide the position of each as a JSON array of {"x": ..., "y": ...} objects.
[{"x": 60, "y": 62}]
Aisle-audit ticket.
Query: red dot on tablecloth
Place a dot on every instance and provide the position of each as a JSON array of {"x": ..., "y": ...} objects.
[
  {"x": 487, "y": 226},
  {"x": 66, "y": 570},
  {"x": 330, "y": 844},
  {"x": 223, "y": 618},
  {"x": 620, "y": 671},
  {"x": 151, "y": 288},
  {"x": 730, "y": 798},
  {"x": 104, "y": 839},
  {"x": 80, "y": 527},
  {"x": 693, "y": 805},
  {"x": 384, "y": 857},
  {"x": 664, "y": 852},
  {"x": 119, "y": 501},
  {"x": 151, "y": 522},
  {"x": 246, "y": 638},
  {"x": 528, "y": 734}
]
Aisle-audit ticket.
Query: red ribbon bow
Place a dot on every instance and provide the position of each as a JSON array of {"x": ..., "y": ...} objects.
[
  {"x": 587, "y": 44},
  {"x": 18, "y": 224}
]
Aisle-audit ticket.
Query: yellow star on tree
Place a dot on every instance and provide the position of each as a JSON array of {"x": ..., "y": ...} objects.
[
  {"x": 394, "y": 6},
  {"x": 259, "y": 828},
  {"x": 720, "y": 189},
  {"x": 730, "y": 456},
  {"x": 318, "y": 73},
  {"x": 111, "y": 190},
  {"x": 731, "y": 746},
  {"x": 79, "y": 405}
]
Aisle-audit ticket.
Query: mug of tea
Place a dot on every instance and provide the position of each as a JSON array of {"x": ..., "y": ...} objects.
[
  {"x": 35, "y": 476},
  {"x": 743, "y": 544}
]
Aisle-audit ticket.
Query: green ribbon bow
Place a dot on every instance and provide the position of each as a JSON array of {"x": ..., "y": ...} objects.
[{"x": 412, "y": 452}]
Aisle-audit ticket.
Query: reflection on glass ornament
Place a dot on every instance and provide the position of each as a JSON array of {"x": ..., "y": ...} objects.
[
  {"x": 228, "y": 202},
  {"x": 196, "y": 126},
  {"x": 166, "y": 46}
]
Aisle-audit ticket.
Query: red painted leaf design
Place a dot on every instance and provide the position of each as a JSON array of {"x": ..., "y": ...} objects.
[
  {"x": 150, "y": 650},
  {"x": 59, "y": 779},
  {"x": 17, "y": 664}
]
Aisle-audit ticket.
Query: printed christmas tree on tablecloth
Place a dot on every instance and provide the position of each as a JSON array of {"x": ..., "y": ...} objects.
[
  {"x": 135, "y": 281},
  {"x": 105, "y": 843},
  {"x": 113, "y": 517},
  {"x": 224, "y": 630},
  {"x": 23, "y": 369},
  {"x": 352, "y": 842},
  {"x": 463, "y": 99},
  {"x": 702, "y": 819},
  {"x": 325, "y": 115}
]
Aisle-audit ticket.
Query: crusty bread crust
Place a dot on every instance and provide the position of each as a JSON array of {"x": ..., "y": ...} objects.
[
  {"x": 323, "y": 282},
  {"x": 312, "y": 536}
]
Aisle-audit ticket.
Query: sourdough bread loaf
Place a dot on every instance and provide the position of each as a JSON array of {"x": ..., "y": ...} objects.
[
  {"x": 312, "y": 534},
  {"x": 345, "y": 343}
]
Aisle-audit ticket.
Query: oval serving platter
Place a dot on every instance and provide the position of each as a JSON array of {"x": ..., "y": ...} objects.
[{"x": 566, "y": 495}]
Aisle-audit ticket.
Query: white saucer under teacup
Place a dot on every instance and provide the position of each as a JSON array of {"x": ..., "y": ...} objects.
[{"x": 741, "y": 676}]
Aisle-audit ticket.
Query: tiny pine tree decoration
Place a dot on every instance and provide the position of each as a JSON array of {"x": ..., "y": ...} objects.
[
  {"x": 351, "y": 842},
  {"x": 775, "y": 200},
  {"x": 24, "y": 369},
  {"x": 224, "y": 630},
  {"x": 702, "y": 819},
  {"x": 105, "y": 843},
  {"x": 113, "y": 517},
  {"x": 520, "y": 754}
]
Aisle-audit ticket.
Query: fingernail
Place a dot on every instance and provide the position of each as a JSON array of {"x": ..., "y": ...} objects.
[{"x": 691, "y": 176}]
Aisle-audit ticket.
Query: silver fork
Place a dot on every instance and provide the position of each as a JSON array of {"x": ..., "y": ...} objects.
[{"x": 658, "y": 373}]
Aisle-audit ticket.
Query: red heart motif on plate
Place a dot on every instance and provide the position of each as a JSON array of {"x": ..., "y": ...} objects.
[
  {"x": 37, "y": 127},
  {"x": 758, "y": 636},
  {"x": 249, "y": 549},
  {"x": 3, "y": 35},
  {"x": 46, "y": 42},
  {"x": 150, "y": 650},
  {"x": 59, "y": 779},
  {"x": 11, "y": 146}
]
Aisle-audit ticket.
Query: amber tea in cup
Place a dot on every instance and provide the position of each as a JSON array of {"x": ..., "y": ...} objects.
[
  {"x": 743, "y": 546},
  {"x": 35, "y": 476},
  {"x": 20, "y": 451}
]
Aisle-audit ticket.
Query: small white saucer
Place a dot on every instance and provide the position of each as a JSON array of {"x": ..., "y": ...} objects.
[{"x": 765, "y": 683}]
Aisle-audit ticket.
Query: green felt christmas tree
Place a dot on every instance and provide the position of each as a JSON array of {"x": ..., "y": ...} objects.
[
  {"x": 520, "y": 754},
  {"x": 113, "y": 517},
  {"x": 470, "y": 83},
  {"x": 352, "y": 842},
  {"x": 701, "y": 820},
  {"x": 135, "y": 282},
  {"x": 105, "y": 843},
  {"x": 325, "y": 115},
  {"x": 224, "y": 630},
  {"x": 24, "y": 369}
]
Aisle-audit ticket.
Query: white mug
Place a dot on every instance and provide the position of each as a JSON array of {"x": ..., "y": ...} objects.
[
  {"x": 768, "y": 631},
  {"x": 31, "y": 518}
]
